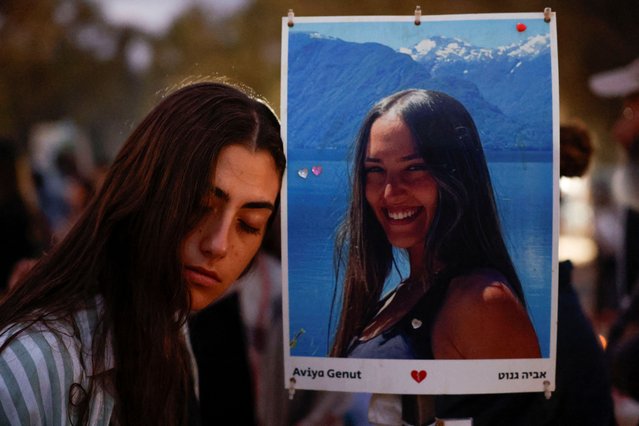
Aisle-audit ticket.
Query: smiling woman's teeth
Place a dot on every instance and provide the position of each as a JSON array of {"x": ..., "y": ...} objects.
[{"x": 399, "y": 215}]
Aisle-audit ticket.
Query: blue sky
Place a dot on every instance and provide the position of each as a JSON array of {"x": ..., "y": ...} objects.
[{"x": 482, "y": 33}]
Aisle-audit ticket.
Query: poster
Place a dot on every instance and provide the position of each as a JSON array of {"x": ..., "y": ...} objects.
[{"x": 503, "y": 69}]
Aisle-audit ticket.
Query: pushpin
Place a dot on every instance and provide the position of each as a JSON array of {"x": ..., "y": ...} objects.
[
  {"x": 291, "y": 388},
  {"x": 291, "y": 15},
  {"x": 547, "y": 392},
  {"x": 547, "y": 14}
]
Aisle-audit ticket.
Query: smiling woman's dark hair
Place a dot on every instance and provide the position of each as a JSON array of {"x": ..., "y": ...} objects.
[
  {"x": 465, "y": 232},
  {"x": 126, "y": 246}
]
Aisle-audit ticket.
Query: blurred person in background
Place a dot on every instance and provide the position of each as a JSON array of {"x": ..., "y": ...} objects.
[
  {"x": 23, "y": 229},
  {"x": 576, "y": 150},
  {"x": 623, "y": 83},
  {"x": 77, "y": 191},
  {"x": 623, "y": 339},
  {"x": 579, "y": 399},
  {"x": 608, "y": 236}
]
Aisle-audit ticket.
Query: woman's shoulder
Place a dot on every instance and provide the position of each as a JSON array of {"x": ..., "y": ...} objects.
[
  {"x": 54, "y": 342},
  {"x": 35, "y": 365},
  {"x": 40, "y": 362},
  {"x": 30, "y": 346},
  {"x": 479, "y": 288},
  {"x": 482, "y": 318}
]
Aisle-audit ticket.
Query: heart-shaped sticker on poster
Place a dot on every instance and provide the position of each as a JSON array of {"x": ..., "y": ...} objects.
[
  {"x": 303, "y": 173},
  {"x": 418, "y": 376},
  {"x": 317, "y": 170}
]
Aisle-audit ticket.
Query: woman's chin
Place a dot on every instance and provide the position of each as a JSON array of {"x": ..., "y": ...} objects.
[{"x": 201, "y": 299}]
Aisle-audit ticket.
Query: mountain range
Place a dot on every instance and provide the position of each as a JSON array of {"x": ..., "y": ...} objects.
[{"x": 332, "y": 83}]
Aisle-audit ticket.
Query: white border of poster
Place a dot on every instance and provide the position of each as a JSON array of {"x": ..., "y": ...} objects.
[{"x": 313, "y": 369}]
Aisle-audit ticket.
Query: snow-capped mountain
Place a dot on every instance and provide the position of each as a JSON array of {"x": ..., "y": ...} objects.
[
  {"x": 515, "y": 78},
  {"x": 444, "y": 49},
  {"x": 447, "y": 49}
]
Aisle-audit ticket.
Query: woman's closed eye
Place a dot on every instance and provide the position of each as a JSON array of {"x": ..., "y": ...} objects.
[
  {"x": 252, "y": 223},
  {"x": 249, "y": 229}
]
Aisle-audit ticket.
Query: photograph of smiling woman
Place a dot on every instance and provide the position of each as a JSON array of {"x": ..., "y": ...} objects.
[
  {"x": 111, "y": 300},
  {"x": 459, "y": 257}
]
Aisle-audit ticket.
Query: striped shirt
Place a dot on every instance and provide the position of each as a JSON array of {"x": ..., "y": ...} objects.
[{"x": 42, "y": 368}]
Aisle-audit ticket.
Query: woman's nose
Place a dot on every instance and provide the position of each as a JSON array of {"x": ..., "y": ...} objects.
[
  {"x": 392, "y": 189},
  {"x": 215, "y": 241}
]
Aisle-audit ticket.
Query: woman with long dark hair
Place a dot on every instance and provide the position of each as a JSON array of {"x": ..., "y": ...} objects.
[
  {"x": 94, "y": 333},
  {"x": 421, "y": 184}
]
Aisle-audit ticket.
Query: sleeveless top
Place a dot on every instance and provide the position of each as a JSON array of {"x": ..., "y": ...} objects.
[{"x": 410, "y": 337}]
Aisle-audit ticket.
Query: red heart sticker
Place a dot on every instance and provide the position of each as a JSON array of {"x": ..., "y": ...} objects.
[
  {"x": 418, "y": 376},
  {"x": 521, "y": 27}
]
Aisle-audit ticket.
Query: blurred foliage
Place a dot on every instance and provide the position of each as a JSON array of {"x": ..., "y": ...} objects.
[{"x": 59, "y": 59}]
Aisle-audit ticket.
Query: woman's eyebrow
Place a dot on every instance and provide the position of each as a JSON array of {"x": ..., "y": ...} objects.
[
  {"x": 410, "y": 157},
  {"x": 220, "y": 193},
  {"x": 224, "y": 196},
  {"x": 259, "y": 205}
]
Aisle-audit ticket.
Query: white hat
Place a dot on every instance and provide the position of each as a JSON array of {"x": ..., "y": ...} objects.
[{"x": 619, "y": 82}]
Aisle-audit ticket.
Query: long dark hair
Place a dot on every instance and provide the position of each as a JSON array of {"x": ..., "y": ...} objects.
[
  {"x": 465, "y": 232},
  {"x": 126, "y": 246}
]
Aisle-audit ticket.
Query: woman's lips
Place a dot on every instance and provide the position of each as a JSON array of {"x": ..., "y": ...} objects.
[{"x": 201, "y": 276}]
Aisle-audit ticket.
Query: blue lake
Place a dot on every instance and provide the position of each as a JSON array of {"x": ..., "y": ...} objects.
[{"x": 316, "y": 204}]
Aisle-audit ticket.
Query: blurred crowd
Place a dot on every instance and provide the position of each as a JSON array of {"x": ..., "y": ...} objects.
[
  {"x": 619, "y": 291},
  {"x": 37, "y": 206},
  {"x": 39, "y": 202}
]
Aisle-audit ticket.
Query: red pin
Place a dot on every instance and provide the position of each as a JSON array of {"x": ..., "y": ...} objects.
[{"x": 521, "y": 27}]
